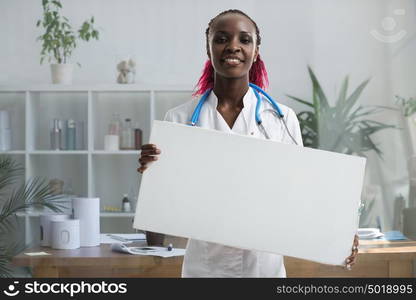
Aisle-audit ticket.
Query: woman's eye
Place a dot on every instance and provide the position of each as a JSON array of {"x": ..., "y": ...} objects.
[
  {"x": 245, "y": 41},
  {"x": 220, "y": 39}
]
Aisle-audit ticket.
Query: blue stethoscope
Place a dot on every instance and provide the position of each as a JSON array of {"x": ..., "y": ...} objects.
[{"x": 276, "y": 110}]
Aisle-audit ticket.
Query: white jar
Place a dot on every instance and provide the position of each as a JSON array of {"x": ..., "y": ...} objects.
[
  {"x": 65, "y": 234},
  {"x": 45, "y": 227}
]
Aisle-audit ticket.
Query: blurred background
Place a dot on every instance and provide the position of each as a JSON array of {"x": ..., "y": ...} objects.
[{"x": 372, "y": 40}]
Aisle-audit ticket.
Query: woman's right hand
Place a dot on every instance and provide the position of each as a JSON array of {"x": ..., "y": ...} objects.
[{"x": 149, "y": 154}]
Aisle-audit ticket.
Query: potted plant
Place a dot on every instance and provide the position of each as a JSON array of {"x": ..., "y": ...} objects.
[
  {"x": 17, "y": 196},
  {"x": 408, "y": 108},
  {"x": 59, "y": 40},
  {"x": 343, "y": 127}
]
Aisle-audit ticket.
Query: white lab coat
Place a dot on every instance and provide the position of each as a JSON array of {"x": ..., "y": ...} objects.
[{"x": 205, "y": 259}]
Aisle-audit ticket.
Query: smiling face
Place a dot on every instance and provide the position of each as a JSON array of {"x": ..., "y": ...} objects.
[{"x": 232, "y": 46}]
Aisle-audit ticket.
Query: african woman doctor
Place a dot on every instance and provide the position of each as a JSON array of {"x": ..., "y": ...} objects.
[{"x": 233, "y": 41}]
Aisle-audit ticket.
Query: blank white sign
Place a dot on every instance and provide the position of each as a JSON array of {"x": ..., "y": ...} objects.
[{"x": 251, "y": 193}]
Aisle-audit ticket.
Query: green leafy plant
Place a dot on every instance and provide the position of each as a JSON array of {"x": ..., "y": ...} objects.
[
  {"x": 59, "y": 39},
  {"x": 16, "y": 196},
  {"x": 344, "y": 127},
  {"x": 408, "y": 105}
]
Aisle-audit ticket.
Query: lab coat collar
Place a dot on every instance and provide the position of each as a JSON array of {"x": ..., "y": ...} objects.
[{"x": 248, "y": 111}]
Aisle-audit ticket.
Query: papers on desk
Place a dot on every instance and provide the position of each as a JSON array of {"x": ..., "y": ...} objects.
[
  {"x": 153, "y": 251},
  {"x": 36, "y": 253},
  {"x": 110, "y": 238},
  {"x": 369, "y": 233},
  {"x": 394, "y": 236}
]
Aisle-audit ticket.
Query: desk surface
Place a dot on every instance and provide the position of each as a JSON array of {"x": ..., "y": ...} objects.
[
  {"x": 88, "y": 256},
  {"x": 376, "y": 258},
  {"x": 97, "y": 261},
  {"x": 101, "y": 257}
]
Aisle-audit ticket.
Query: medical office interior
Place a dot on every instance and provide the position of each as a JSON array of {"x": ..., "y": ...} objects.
[{"x": 80, "y": 136}]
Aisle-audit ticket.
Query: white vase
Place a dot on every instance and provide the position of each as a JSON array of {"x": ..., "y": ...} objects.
[
  {"x": 62, "y": 73},
  {"x": 411, "y": 131},
  {"x": 409, "y": 222}
]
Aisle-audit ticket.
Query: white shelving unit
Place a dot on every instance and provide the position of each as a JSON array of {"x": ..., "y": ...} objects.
[{"x": 90, "y": 171}]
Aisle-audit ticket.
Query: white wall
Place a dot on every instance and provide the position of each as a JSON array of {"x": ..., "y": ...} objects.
[{"x": 167, "y": 40}]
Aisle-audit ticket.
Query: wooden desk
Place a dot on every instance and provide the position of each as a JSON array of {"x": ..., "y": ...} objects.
[
  {"x": 375, "y": 259},
  {"x": 97, "y": 261}
]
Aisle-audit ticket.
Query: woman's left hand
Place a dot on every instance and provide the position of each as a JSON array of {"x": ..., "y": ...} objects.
[{"x": 350, "y": 260}]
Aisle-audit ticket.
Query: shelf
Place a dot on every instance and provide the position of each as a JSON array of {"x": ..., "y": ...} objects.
[
  {"x": 127, "y": 104},
  {"x": 93, "y": 87},
  {"x": 12, "y": 152},
  {"x": 102, "y": 214},
  {"x": 75, "y": 152},
  {"x": 88, "y": 171},
  {"x": 120, "y": 152},
  {"x": 117, "y": 214},
  {"x": 58, "y": 152}
]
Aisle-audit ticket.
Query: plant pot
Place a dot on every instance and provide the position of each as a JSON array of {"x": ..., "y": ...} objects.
[
  {"x": 409, "y": 222},
  {"x": 62, "y": 73},
  {"x": 410, "y": 122}
]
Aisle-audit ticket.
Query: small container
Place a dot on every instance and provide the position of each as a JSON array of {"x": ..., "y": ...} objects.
[
  {"x": 115, "y": 124},
  {"x": 70, "y": 135},
  {"x": 65, "y": 234},
  {"x": 79, "y": 136},
  {"x": 5, "y": 132},
  {"x": 112, "y": 138},
  {"x": 126, "y": 203},
  {"x": 111, "y": 142},
  {"x": 56, "y": 132},
  {"x": 46, "y": 229},
  {"x": 5, "y": 139},
  {"x": 127, "y": 136},
  {"x": 138, "y": 137}
]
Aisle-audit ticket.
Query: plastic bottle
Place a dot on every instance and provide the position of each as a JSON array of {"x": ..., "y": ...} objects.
[
  {"x": 70, "y": 135},
  {"x": 127, "y": 136},
  {"x": 138, "y": 137},
  {"x": 56, "y": 135},
  {"x": 126, "y": 206},
  {"x": 112, "y": 138},
  {"x": 5, "y": 132},
  {"x": 115, "y": 124}
]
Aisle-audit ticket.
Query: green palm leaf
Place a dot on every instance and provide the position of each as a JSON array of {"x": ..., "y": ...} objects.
[
  {"x": 13, "y": 199},
  {"x": 300, "y": 100},
  {"x": 344, "y": 127},
  {"x": 343, "y": 93}
]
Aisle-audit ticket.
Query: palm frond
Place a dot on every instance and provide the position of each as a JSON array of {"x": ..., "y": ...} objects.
[
  {"x": 319, "y": 99},
  {"x": 343, "y": 93},
  {"x": 10, "y": 171},
  {"x": 6, "y": 254},
  {"x": 34, "y": 193},
  {"x": 344, "y": 127},
  {"x": 408, "y": 105},
  {"x": 353, "y": 98},
  {"x": 300, "y": 100}
]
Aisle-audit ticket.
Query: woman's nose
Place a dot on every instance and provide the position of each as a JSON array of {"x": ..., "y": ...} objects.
[
  {"x": 233, "y": 49},
  {"x": 233, "y": 46}
]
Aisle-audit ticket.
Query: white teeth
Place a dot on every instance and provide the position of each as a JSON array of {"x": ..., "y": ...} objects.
[{"x": 232, "y": 60}]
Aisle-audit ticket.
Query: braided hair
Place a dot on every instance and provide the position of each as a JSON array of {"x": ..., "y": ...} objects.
[{"x": 257, "y": 73}]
